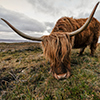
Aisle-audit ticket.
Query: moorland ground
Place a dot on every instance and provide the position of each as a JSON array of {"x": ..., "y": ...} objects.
[{"x": 24, "y": 75}]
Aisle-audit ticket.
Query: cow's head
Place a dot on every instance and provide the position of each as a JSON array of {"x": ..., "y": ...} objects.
[{"x": 57, "y": 47}]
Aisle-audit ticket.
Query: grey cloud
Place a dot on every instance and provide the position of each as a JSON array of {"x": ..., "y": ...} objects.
[
  {"x": 97, "y": 15},
  {"x": 20, "y": 21},
  {"x": 60, "y": 8},
  {"x": 85, "y": 7},
  {"x": 49, "y": 30},
  {"x": 54, "y": 8},
  {"x": 42, "y": 5},
  {"x": 46, "y": 6},
  {"x": 50, "y": 26}
]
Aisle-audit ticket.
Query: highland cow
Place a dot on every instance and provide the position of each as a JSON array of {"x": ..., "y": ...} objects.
[{"x": 67, "y": 34}]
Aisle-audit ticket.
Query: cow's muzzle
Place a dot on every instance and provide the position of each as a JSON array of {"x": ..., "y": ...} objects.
[{"x": 62, "y": 76}]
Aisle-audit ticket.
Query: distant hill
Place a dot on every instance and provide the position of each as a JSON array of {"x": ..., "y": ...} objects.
[
  {"x": 14, "y": 41},
  {"x": 18, "y": 41}
]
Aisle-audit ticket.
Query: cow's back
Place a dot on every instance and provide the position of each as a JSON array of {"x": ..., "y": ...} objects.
[{"x": 66, "y": 24}]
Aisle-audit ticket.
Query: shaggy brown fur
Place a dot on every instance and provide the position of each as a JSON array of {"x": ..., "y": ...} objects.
[
  {"x": 88, "y": 37},
  {"x": 57, "y": 48}
]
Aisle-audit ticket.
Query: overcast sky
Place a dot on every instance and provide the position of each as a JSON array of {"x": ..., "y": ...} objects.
[{"x": 38, "y": 17}]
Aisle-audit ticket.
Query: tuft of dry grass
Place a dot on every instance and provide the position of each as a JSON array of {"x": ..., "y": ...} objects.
[{"x": 24, "y": 75}]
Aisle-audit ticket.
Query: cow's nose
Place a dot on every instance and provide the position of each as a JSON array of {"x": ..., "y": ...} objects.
[{"x": 62, "y": 76}]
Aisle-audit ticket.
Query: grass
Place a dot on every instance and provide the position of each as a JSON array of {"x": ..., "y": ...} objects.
[{"x": 24, "y": 75}]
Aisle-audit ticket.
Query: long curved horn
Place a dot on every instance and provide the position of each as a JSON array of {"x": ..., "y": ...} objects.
[
  {"x": 21, "y": 33},
  {"x": 86, "y": 23}
]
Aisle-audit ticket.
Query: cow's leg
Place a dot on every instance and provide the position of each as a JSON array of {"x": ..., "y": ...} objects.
[
  {"x": 81, "y": 51},
  {"x": 93, "y": 48},
  {"x": 94, "y": 44}
]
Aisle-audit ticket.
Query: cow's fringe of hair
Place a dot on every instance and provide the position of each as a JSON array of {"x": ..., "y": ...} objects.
[{"x": 57, "y": 46}]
